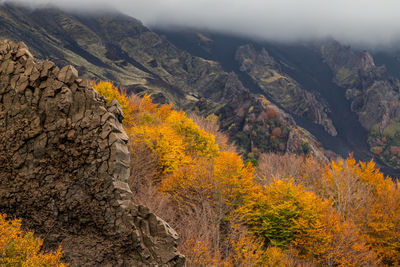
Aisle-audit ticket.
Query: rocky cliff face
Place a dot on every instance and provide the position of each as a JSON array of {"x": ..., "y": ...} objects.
[
  {"x": 282, "y": 89},
  {"x": 351, "y": 69},
  {"x": 374, "y": 96},
  {"x": 256, "y": 125},
  {"x": 65, "y": 164}
]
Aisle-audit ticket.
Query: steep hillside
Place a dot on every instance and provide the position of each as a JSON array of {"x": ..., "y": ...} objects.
[
  {"x": 65, "y": 166},
  {"x": 374, "y": 96},
  {"x": 302, "y": 65},
  {"x": 288, "y": 211},
  {"x": 116, "y": 47},
  {"x": 68, "y": 174},
  {"x": 280, "y": 87}
]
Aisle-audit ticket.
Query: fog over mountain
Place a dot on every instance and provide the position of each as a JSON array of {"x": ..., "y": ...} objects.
[{"x": 367, "y": 22}]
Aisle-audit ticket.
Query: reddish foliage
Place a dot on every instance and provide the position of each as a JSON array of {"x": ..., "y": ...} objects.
[
  {"x": 378, "y": 151},
  {"x": 277, "y": 132},
  {"x": 271, "y": 114},
  {"x": 263, "y": 116},
  {"x": 395, "y": 151}
]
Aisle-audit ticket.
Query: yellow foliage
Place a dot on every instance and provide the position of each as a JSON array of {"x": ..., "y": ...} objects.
[
  {"x": 287, "y": 215},
  {"x": 165, "y": 142},
  {"x": 351, "y": 215},
  {"x": 275, "y": 257},
  {"x": 281, "y": 211},
  {"x": 196, "y": 140},
  {"x": 23, "y": 249},
  {"x": 110, "y": 92},
  {"x": 174, "y": 137},
  {"x": 248, "y": 250},
  {"x": 234, "y": 179},
  {"x": 364, "y": 171},
  {"x": 201, "y": 255},
  {"x": 224, "y": 179},
  {"x": 362, "y": 194}
]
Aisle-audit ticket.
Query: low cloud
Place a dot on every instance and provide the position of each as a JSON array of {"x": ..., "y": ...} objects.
[{"x": 368, "y": 22}]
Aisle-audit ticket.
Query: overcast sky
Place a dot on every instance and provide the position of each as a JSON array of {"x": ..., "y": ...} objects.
[{"x": 373, "y": 22}]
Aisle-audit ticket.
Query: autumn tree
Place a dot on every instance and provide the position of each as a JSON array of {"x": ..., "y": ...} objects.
[
  {"x": 364, "y": 196},
  {"x": 304, "y": 170},
  {"x": 293, "y": 210},
  {"x": 287, "y": 215},
  {"x": 225, "y": 180},
  {"x": 19, "y": 248},
  {"x": 248, "y": 250},
  {"x": 280, "y": 211}
]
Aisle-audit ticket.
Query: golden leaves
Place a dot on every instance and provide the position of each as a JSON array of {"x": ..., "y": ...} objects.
[
  {"x": 295, "y": 209},
  {"x": 18, "y": 248}
]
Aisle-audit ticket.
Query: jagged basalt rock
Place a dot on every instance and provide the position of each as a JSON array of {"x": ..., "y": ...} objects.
[{"x": 64, "y": 165}]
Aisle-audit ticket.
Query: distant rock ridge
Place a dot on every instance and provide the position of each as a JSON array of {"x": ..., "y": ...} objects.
[
  {"x": 281, "y": 88},
  {"x": 374, "y": 97},
  {"x": 64, "y": 165}
]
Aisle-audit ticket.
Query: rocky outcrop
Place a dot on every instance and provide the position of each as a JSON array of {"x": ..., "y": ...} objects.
[
  {"x": 257, "y": 126},
  {"x": 374, "y": 96},
  {"x": 282, "y": 89},
  {"x": 64, "y": 166},
  {"x": 352, "y": 70}
]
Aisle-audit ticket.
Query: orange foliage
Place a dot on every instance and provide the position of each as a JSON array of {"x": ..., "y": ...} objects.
[
  {"x": 223, "y": 181},
  {"x": 271, "y": 114},
  {"x": 247, "y": 250},
  {"x": 277, "y": 132},
  {"x": 395, "y": 151},
  {"x": 337, "y": 214},
  {"x": 23, "y": 249},
  {"x": 363, "y": 196}
]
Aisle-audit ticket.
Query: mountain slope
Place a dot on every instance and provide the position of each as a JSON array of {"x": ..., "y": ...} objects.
[
  {"x": 116, "y": 47},
  {"x": 280, "y": 87},
  {"x": 210, "y": 73},
  {"x": 307, "y": 66},
  {"x": 374, "y": 96}
]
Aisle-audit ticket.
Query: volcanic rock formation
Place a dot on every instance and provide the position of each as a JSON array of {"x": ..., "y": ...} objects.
[{"x": 64, "y": 165}]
